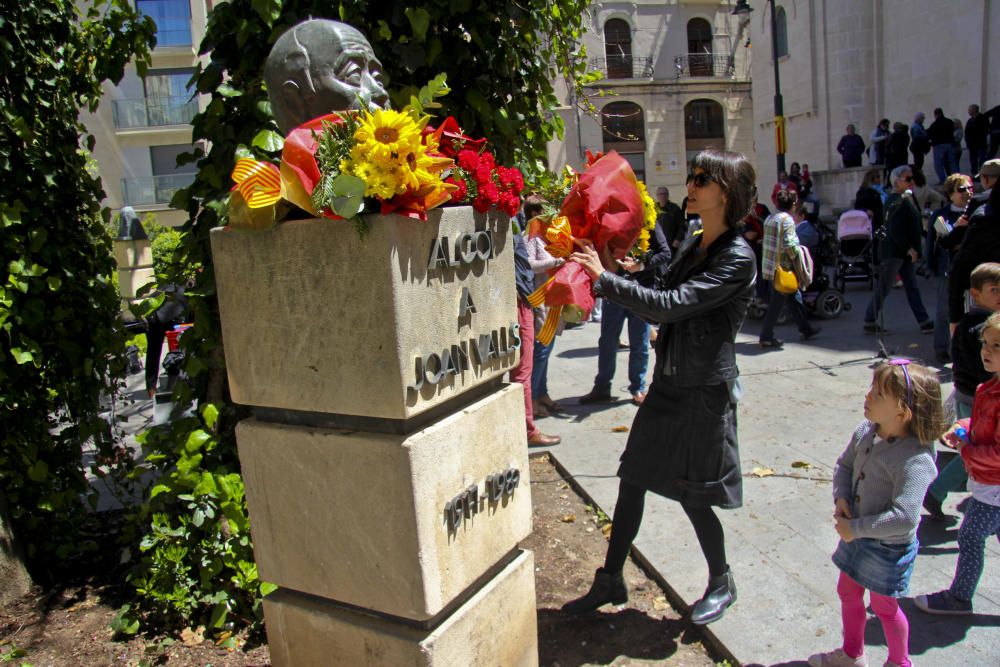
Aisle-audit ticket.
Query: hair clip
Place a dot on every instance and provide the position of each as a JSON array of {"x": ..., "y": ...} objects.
[{"x": 903, "y": 363}]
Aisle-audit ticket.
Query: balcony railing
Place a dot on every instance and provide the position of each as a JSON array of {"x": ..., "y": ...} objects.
[
  {"x": 623, "y": 67},
  {"x": 154, "y": 112},
  {"x": 153, "y": 189},
  {"x": 704, "y": 64}
]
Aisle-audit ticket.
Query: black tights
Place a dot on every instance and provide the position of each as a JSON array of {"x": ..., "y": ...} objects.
[{"x": 628, "y": 516}]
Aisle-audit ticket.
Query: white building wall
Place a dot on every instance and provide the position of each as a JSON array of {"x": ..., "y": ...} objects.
[
  {"x": 856, "y": 61},
  {"x": 659, "y": 32}
]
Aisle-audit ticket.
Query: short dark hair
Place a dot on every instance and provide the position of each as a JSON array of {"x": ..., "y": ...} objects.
[
  {"x": 533, "y": 206},
  {"x": 735, "y": 175},
  {"x": 984, "y": 274},
  {"x": 786, "y": 199}
]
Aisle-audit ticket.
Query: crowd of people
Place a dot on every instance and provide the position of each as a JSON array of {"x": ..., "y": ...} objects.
[
  {"x": 695, "y": 286},
  {"x": 942, "y": 140}
]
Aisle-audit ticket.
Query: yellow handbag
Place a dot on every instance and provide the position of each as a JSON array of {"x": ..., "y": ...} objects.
[{"x": 785, "y": 281}]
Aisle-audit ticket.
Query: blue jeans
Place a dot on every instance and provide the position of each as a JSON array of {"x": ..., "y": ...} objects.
[
  {"x": 612, "y": 320},
  {"x": 944, "y": 161},
  {"x": 540, "y": 370},
  {"x": 942, "y": 332},
  {"x": 774, "y": 306},
  {"x": 888, "y": 270}
]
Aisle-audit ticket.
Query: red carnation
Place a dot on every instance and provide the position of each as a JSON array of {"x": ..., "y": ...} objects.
[
  {"x": 468, "y": 160},
  {"x": 490, "y": 192},
  {"x": 481, "y": 204},
  {"x": 458, "y": 195},
  {"x": 509, "y": 203}
]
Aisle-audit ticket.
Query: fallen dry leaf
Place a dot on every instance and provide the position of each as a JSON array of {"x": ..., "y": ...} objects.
[
  {"x": 660, "y": 603},
  {"x": 619, "y": 429},
  {"x": 802, "y": 464},
  {"x": 606, "y": 529},
  {"x": 568, "y": 518},
  {"x": 761, "y": 471},
  {"x": 193, "y": 637}
]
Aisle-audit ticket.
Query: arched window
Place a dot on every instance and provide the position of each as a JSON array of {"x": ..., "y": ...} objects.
[
  {"x": 618, "y": 49},
  {"x": 699, "y": 47},
  {"x": 704, "y": 127},
  {"x": 623, "y": 125},
  {"x": 781, "y": 33}
]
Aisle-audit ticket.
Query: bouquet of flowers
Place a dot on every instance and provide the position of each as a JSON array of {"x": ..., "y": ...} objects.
[
  {"x": 605, "y": 205},
  {"x": 343, "y": 164}
]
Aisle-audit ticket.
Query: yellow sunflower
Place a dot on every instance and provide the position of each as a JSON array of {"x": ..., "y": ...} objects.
[{"x": 385, "y": 133}]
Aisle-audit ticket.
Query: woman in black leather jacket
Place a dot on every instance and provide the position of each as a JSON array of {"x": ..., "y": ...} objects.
[{"x": 683, "y": 441}]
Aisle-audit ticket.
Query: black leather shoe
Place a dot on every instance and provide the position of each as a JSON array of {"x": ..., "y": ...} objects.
[
  {"x": 607, "y": 587},
  {"x": 719, "y": 595}
]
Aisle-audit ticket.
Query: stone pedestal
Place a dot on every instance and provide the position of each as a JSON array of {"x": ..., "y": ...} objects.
[
  {"x": 386, "y": 467},
  {"x": 497, "y": 626},
  {"x": 135, "y": 266}
]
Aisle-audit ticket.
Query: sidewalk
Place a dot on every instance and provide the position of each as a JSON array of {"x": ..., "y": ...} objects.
[{"x": 800, "y": 406}]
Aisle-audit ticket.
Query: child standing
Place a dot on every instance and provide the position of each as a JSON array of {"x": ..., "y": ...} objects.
[
  {"x": 980, "y": 451},
  {"x": 878, "y": 484},
  {"x": 968, "y": 373}
]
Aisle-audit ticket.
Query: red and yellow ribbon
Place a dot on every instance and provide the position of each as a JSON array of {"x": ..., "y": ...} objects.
[
  {"x": 559, "y": 237},
  {"x": 258, "y": 182}
]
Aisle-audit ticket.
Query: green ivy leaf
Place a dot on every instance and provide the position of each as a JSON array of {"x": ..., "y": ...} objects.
[
  {"x": 269, "y": 141},
  {"x": 420, "y": 20},
  {"x": 210, "y": 414},
  {"x": 195, "y": 440},
  {"x": 38, "y": 471},
  {"x": 21, "y": 356}
]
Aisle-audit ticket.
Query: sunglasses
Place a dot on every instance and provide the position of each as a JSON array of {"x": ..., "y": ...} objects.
[
  {"x": 965, "y": 188},
  {"x": 908, "y": 179},
  {"x": 699, "y": 180},
  {"x": 903, "y": 363}
]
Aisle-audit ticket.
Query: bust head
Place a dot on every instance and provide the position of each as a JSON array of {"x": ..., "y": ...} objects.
[{"x": 320, "y": 66}]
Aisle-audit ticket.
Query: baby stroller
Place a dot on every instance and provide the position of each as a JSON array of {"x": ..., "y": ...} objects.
[
  {"x": 855, "y": 258},
  {"x": 822, "y": 299}
]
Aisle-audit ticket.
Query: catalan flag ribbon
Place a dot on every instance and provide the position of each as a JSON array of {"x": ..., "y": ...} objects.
[
  {"x": 559, "y": 237},
  {"x": 258, "y": 182}
]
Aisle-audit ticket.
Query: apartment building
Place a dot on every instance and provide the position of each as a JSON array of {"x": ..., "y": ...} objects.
[
  {"x": 676, "y": 80},
  {"x": 144, "y": 123}
]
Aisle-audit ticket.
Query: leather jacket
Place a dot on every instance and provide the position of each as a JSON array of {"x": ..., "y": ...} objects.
[{"x": 700, "y": 302}]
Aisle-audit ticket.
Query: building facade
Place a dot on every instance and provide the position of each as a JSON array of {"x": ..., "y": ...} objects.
[
  {"x": 676, "y": 80},
  {"x": 144, "y": 123},
  {"x": 857, "y": 61}
]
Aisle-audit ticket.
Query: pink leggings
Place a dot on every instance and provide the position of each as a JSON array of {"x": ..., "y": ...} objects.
[{"x": 894, "y": 624}]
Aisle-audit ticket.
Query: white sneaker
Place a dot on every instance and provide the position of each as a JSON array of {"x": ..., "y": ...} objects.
[{"x": 837, "y": 658}]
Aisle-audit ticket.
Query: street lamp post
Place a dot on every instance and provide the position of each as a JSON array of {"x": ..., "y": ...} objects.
[{"x": 743, "y": 10}]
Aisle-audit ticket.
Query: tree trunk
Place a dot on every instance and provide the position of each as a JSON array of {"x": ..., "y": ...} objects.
[{"x": 13, "y": 575}]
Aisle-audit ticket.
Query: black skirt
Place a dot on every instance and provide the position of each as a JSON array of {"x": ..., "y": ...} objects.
[{"x": 683, "y": 446}]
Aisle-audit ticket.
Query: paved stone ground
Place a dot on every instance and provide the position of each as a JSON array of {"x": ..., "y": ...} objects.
[{"x": 801, "y": 405}]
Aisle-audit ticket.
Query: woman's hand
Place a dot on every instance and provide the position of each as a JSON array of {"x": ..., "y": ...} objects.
[
  {"x": 630, "y": 265},
  {"x": 844, "y": 528},
  {"x": 842, "y": 508},
  {"x": 587, "y": 257},
  {"x": 962, "y": 221}
]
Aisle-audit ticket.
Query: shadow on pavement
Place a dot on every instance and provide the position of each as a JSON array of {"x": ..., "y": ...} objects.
[
  {"x": 647, "y": 638},
  {"x": 928, "y": 631}
]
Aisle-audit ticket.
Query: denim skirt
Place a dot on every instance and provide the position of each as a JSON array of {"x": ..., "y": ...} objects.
[{"x": 881, "y": 567}]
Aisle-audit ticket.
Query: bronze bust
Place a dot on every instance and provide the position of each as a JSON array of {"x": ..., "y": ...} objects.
[{"x": 320, "y": 66}]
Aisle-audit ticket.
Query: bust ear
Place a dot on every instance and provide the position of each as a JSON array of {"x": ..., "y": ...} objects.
[{"x": 294, "y": 104}]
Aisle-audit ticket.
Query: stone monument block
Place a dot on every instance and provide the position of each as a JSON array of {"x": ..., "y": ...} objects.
[
  {"x": 388, "y": 326},
  {"x": 133, "y": 253},
  {"x": 400, "y": 524},
  {"x": 130, "y": 280},
  {"x": 496, "y": 626}
]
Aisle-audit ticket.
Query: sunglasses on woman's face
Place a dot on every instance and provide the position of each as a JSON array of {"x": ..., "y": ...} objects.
[
  {"x": 700, "y": 180},
  {"x": 965, "y": 188}
]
